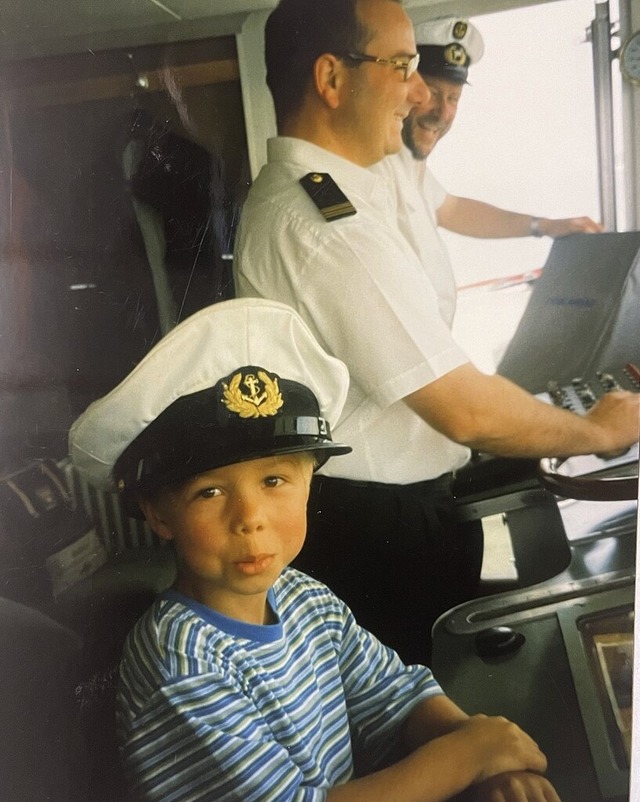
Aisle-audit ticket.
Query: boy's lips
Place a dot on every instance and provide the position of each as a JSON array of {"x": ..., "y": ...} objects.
[{"x": 254, "y": 564}]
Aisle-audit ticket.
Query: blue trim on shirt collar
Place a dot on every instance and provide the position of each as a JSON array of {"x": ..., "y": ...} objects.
[{"x": 263, "y": 633}]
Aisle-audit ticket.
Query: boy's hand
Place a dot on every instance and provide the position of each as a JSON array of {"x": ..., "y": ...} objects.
[
  {"x": 514, "y": 786},
  {"x": 500, "y": 746}
]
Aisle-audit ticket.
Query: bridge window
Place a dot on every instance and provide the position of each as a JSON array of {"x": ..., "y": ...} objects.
[{"x": 524, "y": 139}]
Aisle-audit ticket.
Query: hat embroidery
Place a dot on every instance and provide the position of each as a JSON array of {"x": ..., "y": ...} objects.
[
  {"x": 261, "y": 402},
  {"x": 455, "y": 54},
  {"x": 459, "y": 30}
]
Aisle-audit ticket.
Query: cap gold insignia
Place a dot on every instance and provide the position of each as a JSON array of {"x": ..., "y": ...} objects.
[
  {"x": 459, "y": 30},
  {"x": 262, "y": 400},
  {"x": 455, "y": 54}
]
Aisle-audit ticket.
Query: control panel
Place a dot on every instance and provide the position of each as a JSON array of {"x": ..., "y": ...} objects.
[
  {"x": 592, "y": 477},
  {"x": 581, "y": 394},
  {"x": 487, "y": 479}
]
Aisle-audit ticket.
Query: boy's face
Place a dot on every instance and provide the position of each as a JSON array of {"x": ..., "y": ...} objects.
[{"x": 235, "y": 528}]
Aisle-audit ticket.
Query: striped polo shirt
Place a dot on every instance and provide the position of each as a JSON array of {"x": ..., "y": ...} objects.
[{"x": 211, "y": 708}]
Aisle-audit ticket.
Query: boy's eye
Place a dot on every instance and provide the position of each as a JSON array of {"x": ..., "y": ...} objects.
[
  {"x": 272, "y": 481},
  {"x": 208, "y": 492}
]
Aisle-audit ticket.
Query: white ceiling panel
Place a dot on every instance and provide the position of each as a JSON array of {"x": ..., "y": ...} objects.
[{"x": 31, "y": 28}]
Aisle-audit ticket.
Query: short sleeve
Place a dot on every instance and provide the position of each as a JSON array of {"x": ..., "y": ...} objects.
[
  {"x": 362, "y": 296},
  {"x": 433, "y": 191},
  {"x": 380, "y": 690}
]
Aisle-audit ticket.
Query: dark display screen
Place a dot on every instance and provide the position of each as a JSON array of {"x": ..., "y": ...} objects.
[
  {"x": 608, "y": 643},
  {"x": 598, "y": 636}
]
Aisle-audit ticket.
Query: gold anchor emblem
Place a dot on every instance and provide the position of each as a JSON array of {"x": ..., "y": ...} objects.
[
  {"x": 455, "y": 54},
  {"x": 263, "y": 399},
  {"x": 460, "y": 29}
]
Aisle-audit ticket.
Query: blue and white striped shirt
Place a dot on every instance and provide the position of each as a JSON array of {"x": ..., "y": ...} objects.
[{"x": 211, "y": 708}]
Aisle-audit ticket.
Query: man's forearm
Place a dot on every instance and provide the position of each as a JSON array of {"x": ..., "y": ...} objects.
[
  {"x": 474, "y": 218},
  {"x": 490, "y": 413}
]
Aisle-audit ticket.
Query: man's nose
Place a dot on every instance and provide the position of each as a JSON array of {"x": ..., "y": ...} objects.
[{"x": 418, "y": 93}]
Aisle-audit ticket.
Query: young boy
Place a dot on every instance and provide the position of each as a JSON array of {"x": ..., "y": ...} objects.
[{"x": 249, "y": 680}]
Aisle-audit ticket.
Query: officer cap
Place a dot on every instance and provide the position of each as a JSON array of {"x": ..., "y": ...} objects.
[
  {"x": 239, "y": 380},
  {"x": 447, "y": 47}
]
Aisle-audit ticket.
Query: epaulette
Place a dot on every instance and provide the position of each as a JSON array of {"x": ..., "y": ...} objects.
[{"x": 327, "y": 196}]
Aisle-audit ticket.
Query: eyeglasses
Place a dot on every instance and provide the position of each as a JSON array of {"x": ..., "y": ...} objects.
[{"x": 407, "y": 65}]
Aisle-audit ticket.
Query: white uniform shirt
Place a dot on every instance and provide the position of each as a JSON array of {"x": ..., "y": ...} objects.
[
  {"x": 418, "y": 196},
  {"x": 365, "y": 294}
]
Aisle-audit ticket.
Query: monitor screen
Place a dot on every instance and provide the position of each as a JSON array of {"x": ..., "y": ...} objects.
[
  {"x": 608, "y": 640},
  {"x": 598, "y": 636}
]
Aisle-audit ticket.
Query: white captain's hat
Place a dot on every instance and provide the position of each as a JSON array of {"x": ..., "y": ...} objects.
[
  {"x": 239, "y": 380},
  {"x": 447, "y": 47}
]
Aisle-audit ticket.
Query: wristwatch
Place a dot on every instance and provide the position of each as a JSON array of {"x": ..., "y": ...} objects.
[{"x": 534, "y": 227}]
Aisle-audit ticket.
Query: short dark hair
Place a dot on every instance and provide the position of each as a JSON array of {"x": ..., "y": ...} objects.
[{"x": 296, "y": 34}]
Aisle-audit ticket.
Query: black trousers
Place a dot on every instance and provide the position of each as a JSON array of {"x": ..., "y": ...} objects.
[{"x": 396, "y": 554}]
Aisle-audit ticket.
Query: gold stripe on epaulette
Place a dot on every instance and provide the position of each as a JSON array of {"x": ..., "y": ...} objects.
[
  {"x": 339, "y": 208},
  {"x": 330, "y": 200}
]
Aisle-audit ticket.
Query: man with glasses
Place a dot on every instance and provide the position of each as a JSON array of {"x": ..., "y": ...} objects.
[
  {"x": 319, "y": 232},
  {"x": 403, "y": 64}
]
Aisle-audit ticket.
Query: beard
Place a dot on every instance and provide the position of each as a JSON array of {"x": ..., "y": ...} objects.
[{"x": 414, "y": 122}]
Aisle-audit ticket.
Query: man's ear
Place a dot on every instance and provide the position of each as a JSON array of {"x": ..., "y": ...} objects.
[
  {"x": 155, "y": 518},
  {"x": 329, "y": 77}
]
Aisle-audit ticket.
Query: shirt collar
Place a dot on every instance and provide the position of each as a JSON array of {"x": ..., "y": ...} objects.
[
  {"x": 350, "y": 177},
  {"x": 265, "y": 633},
  {"x": 412, "y": 165}
]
